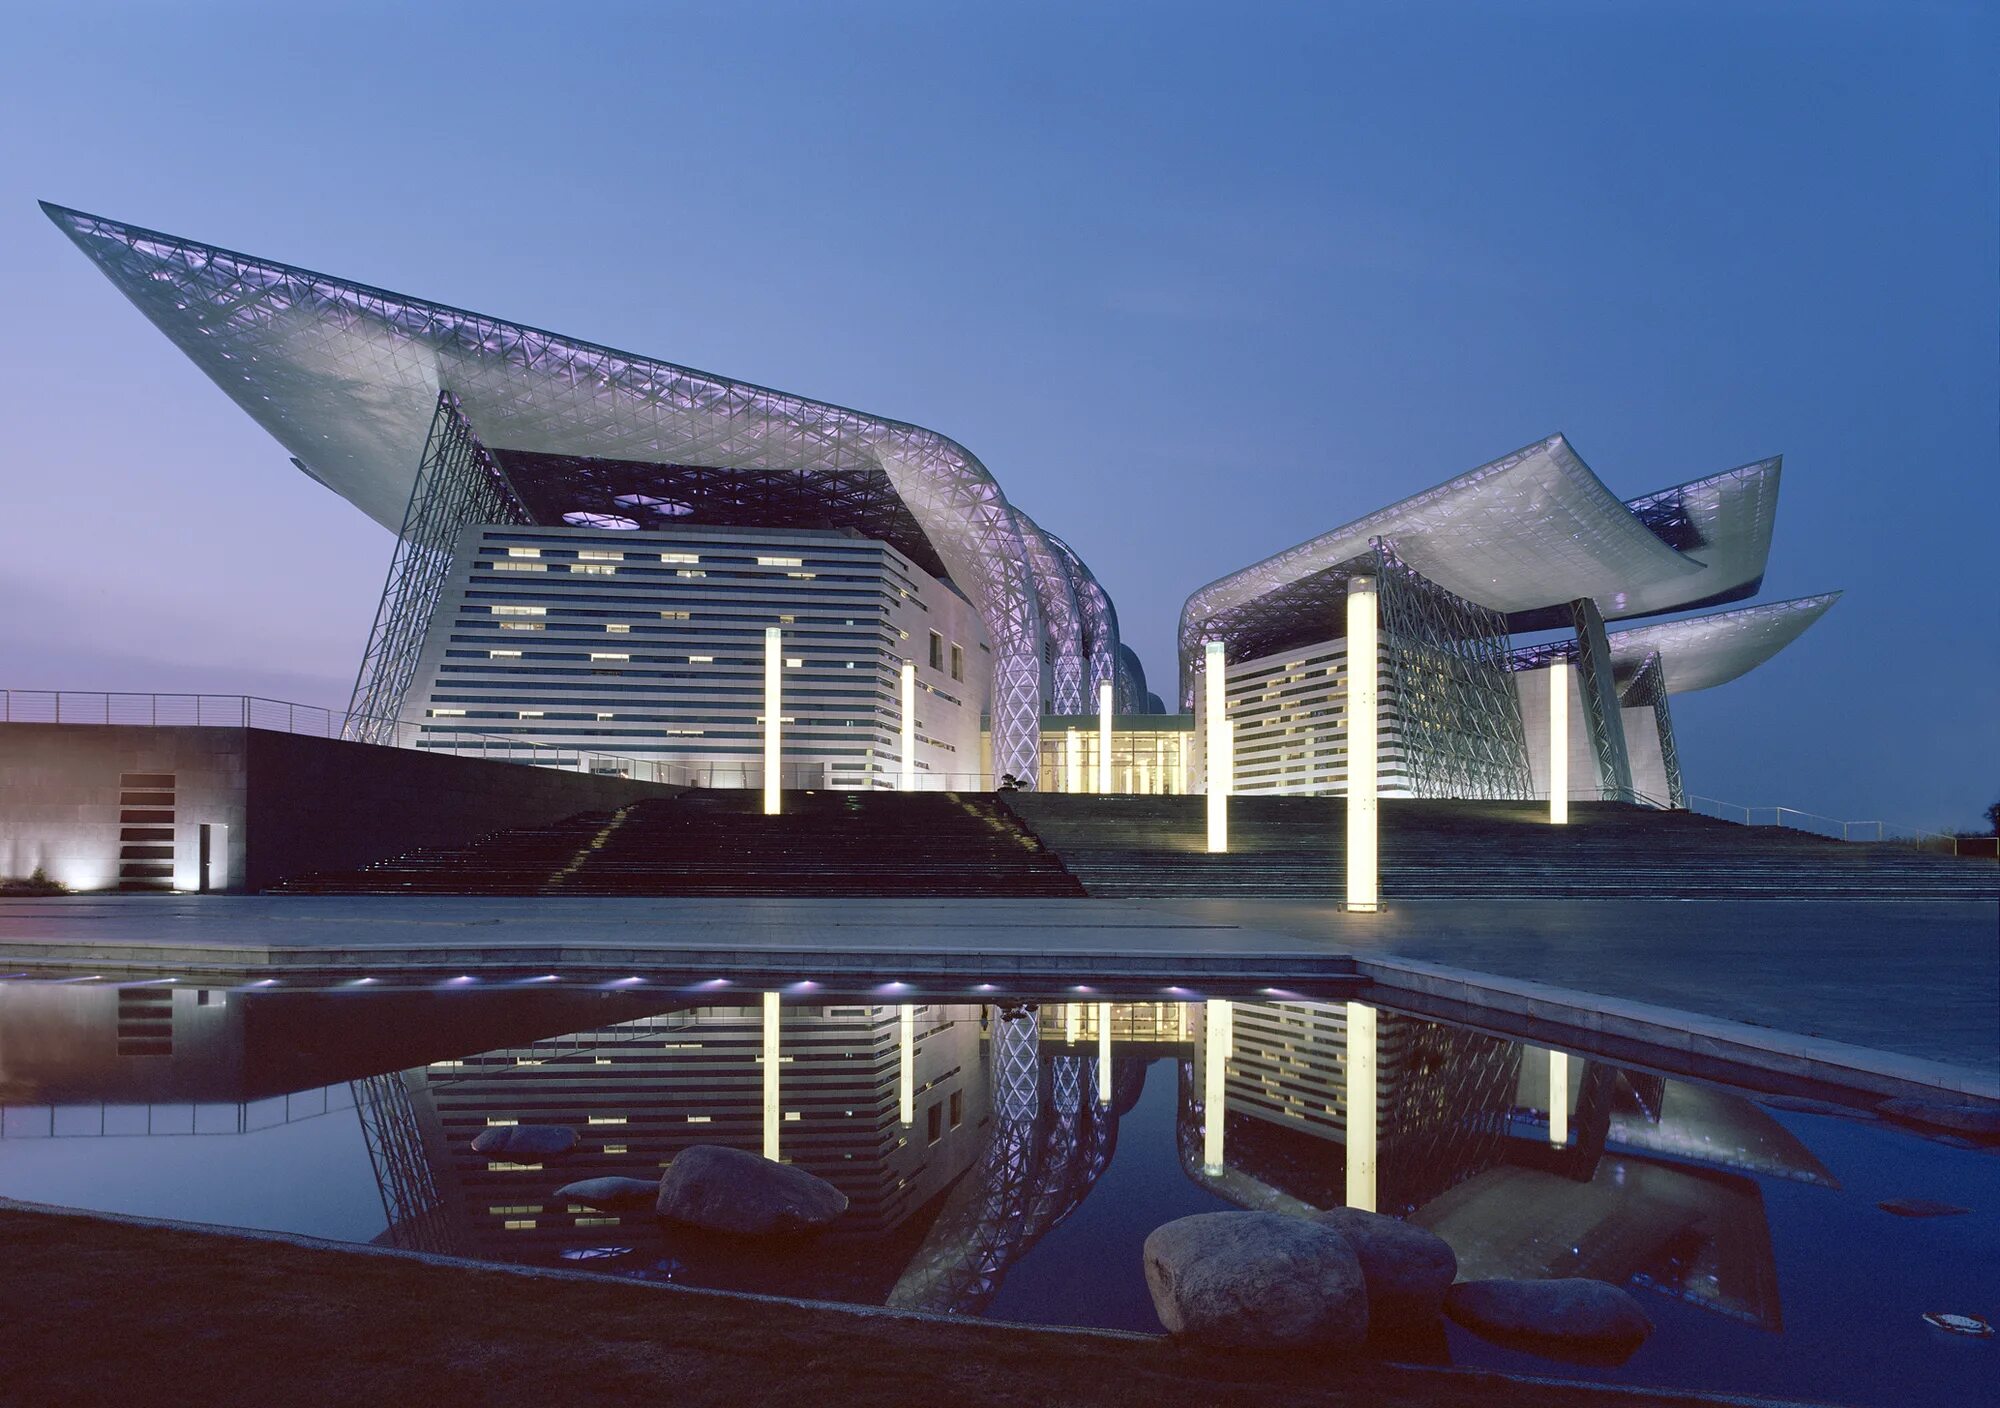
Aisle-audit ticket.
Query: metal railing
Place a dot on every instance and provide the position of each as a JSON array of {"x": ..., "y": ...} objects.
[
  {"x": 70, "y": 706},
  {"x": 1835, "y": 828}
]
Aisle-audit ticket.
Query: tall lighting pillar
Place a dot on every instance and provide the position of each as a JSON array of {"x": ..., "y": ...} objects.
[
  {"x": 1103, "y": 737},
  {"x": 1363, "y": 891},
  {"x": 1218, "y": 1033},
  {"x": 1559, "y": 743},
  {"x": 1072, "y": 761},
  {"x": 1361, "y": 1106},
  {"x": 772, "y": 1117},
  {"x": 774, "y": 698},
  {"x": 909, "y": 782},
  {"x": 1218, "y": 745}
]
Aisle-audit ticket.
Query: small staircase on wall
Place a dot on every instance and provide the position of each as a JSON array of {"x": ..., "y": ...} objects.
[
  {"x": 1291, "y": 848},
  {"x": 719, "y": 843}
]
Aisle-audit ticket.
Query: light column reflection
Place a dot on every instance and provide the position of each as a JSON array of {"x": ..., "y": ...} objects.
[
  {"x": 1217, "y": 1036},
  {"x": 772, "y": 1116},
  {"x": 1361, "y": 1106}
]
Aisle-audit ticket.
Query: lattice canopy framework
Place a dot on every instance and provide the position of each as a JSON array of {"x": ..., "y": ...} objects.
[
  {"x": 457, "y": 484},
  {"x": 347, "y": 377},
  {"x": 1648, "y": 689},
  {"x": 1461, "y": 726}
]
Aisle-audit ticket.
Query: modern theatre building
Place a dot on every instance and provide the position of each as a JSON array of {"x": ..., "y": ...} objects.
[
  {"x": 593, "y": 547},
  {"x": 615, "y": 562},
  {"x": 1532, "y": 543}
]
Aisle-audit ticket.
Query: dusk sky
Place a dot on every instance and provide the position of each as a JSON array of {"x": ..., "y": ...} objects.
[{"x": 1194, "y": 282}]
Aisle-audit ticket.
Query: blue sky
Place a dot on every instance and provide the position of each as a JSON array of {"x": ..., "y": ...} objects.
[{"x": 1196, "y": 282}]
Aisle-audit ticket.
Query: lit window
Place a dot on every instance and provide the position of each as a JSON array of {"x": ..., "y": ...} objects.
[
  {"x": 781, "y": 562},
  {"x": 521, "y": 626},
  {"x": 602, "y": 717},
  {"x": 531, "y": 713},
  {"x": 680, "y": 557},
  {"x": 593, "y": 569},
  {"x": 606, "y": 1119},
  {"x": 690, "y": 572},
  {"x": 675, "y": 616},
  {"x": 608, "y": 655},
  {"x": 520, "y": 1224},
  {"x": 447, "y": 713},
  {"x": 600, "y": 555},
  {"x": 520, "y": 610},
  {"x": 701, "y": 659},
  {"x": 617, "y": 628},
  {"x": 697, "y": 1119},
  {"x": 804, "y": 576},
  {"x": 524, "y": 552},
  {"x": 507, "y": 565},
  {"x": 504, "y": 654},
  {"x": 788, "y": 620},
  {"x": 793, "y": 662}
]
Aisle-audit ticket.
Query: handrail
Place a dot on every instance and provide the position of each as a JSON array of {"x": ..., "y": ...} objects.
[
  {"x": 1835, "y": 828},
  {"x": 72, "y": 706}
]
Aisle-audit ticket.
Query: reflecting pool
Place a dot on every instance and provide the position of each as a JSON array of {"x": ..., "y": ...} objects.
[{"x": 1008, "y": 1159}]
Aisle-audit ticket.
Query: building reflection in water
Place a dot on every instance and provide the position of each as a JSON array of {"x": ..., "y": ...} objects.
[{"x": 961, "y": 1134}]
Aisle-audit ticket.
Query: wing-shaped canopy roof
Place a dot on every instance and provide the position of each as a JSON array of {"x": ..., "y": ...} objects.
[
  {"x": 1704, "y": 651},
  {"x": 1525, "y": 535},
  {"x": 346, "y": 377}
]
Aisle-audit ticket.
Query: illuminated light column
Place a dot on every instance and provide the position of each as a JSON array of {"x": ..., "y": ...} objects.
[
  {"x": 1072, "y": 761},
  {"x": 909, "y": 783},
  {"x": 772, "y": 1117},
  {"x": 1363, "y": 892},
  {"x": 1219, "y": 747},
  {"x": 1558, "y": 1098},
  {"x": 1217, "y": 1034},
  {"x": 1104, "y": 1053},
  {"x": 774, "y": 664},
  {"x": 906, "y": 1064},
  {"x": 1361, "y": 1106},
  {"x": 1559, "y": 743},
  {"x": 1104, "y": 737},
  {"x": 1072, "y": 1019}
]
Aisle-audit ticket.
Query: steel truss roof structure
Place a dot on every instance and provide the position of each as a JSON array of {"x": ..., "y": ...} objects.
[
  {"x": 348, "y": 378},
  {"x": 1529, "y": 535},
  {"x": 1701, "y": 652},
  {"x": 1524, "y": 535}
]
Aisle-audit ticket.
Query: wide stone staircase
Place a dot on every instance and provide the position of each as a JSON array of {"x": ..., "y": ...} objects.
[
  {"x": 720, "y": 843},
  {"x": 1291, "y": 848}
]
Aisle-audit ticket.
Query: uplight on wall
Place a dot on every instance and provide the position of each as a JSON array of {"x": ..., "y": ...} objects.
[
  {"x": 1361, "y": 1106},
  {"x": 909, "y": 783},
  {"x": 1103, "y": 737},
  {"x": 1559, "y": 743},
  {"x": 774, "y": 665},
  {"x": 1363, "y": 889},
  {"x": 1218, "y": 745}
]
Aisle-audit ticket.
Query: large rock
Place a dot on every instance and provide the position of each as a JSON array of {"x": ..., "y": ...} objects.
[
  {"x": 542, "y": 1141},
  {"x": 606, "y": 1194},
  {"x": 1567, "y": 1314},
  {"x": 1257, "y": 1280},
  {"x": 728, "y": 1190},
  {"x": 1408, "y": 1270}
]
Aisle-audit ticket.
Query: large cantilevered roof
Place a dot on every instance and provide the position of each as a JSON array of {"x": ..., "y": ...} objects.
[
  {"x": 1525, "y": 535},
  {"x": 347, "y": 377},
  {"x": 1704, "y": 651}
]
